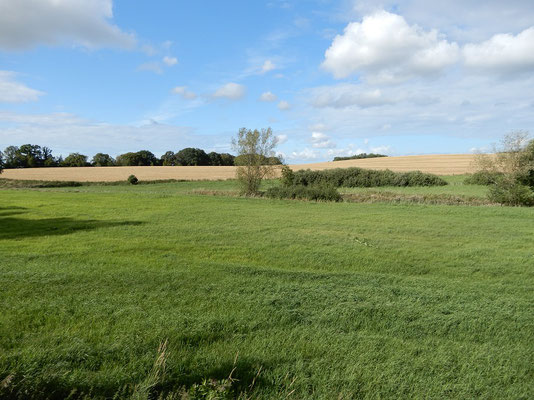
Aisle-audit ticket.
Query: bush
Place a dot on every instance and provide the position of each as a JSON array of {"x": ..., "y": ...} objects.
[
  {"x": 288, "y": 176},
  {"x": 511, "y": 193},
  {"x": 358, "y": 177},
  {"x": 483, "y": 178},
  {"x": 301, "y": 192},
  {"x": 132, "y": 179}
]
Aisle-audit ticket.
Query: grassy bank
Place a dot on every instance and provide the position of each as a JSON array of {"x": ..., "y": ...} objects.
[{"x": 317, "y": 300}]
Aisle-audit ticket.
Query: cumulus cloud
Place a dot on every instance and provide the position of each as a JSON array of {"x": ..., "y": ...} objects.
[
  {"x": 381, "y": 149},
  {"x": 182, "y": 91},
  {"x": 281, "y": 139},
  {"x": 321, "y": 141},
  {"x": 503, "y": 53},
  {"x": 284, "y": 105},
  {"x": 231, "y": 91},
  {"x": 12, "y": 91},
  {"x": 170, "y": 61},
  {"x": 267, "y": 66},
  {"x": 385, "y": 47},
  {"x": 305, "y": 154},
  {"x": 268, "y": 97},
  {"x": 346, "y": 95},
  {"x": 28, "y": 23}
]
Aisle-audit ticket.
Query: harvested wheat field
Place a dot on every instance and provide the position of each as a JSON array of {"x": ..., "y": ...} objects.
[{"x": 443, "y": 164}]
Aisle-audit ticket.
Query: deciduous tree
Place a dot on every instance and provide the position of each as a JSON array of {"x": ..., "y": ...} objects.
[{"x": 255, "y": 149}]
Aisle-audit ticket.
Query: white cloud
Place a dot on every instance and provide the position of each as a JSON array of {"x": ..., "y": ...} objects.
[
  {"x": 346, "y": 95},
  {"x": 268, "y": 97},
  {"x": 503, "y": 53},
  {"x": 182, "y": 91},
  {"x": 462, "y": 20},
  {"x": 305, "y": 154},
  {"x": 28, "y": 23},
  {"x": 348, "y": 151},
  {"x": 318, "y": 127},
  {"x": 231, "y": 91},
  {"x": 152, "y": 66},
  {"x": 281, "y": 139},
  {"x": 381, "y": 149},
  {"x": 284, "y": 105},
  {"x": 267, "y": 66},
  {"x": 12, "y": 91},
  {"x": 170, "y": 61},
  {"x": 321, "y": 141},
  {"x": 65, "y": 133},
  {"x": 384, "y": 47}
]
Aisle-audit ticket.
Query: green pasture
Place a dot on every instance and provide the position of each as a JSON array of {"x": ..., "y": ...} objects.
[{"x": 291, "y": 299}]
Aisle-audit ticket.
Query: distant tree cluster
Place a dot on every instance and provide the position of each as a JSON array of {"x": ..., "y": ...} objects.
[
  {"x": 359, "y": 156},
  {"x": 34, "y": 156}
]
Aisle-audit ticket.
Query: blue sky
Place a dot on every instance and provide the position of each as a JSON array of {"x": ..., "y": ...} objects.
[{"x": 330, "y": 77}]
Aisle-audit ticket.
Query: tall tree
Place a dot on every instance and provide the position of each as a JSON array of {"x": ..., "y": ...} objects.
[
  {"x": 75, "y": 160},
  {"x": 192, "y": 156}
]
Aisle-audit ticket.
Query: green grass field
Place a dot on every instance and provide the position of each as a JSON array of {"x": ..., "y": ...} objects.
[{"x": 298, "y": 299}]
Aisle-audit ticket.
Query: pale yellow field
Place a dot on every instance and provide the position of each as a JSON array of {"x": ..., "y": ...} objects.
[{"x": 449, "y": 164}]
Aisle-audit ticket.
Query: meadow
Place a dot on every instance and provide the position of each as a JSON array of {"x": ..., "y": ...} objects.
[{"x": 148, "y": 290}]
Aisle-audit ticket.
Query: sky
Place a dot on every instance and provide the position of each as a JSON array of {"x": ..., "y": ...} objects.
[{"x": 330, "y": 77}]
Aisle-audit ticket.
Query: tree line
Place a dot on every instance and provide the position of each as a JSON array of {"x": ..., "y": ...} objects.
[
  {"x": 34, "y": 156},
  {"x": 359, "y": 156}
]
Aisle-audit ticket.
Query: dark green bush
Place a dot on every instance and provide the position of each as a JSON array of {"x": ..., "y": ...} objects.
[
  {"x": 288, "y": 176},
  {"x": 358, "y": 177},
  {"x": 483, "y": 178},
  {"x": 301, "y": 192},
  {"x": 511, "y": 193},
  {"x": 132, "y": 179}
]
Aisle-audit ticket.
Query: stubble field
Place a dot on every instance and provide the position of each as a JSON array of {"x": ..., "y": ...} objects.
[{"x": 450, "y": 164}]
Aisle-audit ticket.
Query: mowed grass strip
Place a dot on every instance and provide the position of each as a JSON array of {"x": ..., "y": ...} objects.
[{"x": 328, "y": 299}]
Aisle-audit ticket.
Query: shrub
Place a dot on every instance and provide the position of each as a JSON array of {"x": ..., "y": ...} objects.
[
  {"x": 301, "y": 192},
  {"x": 513, "y": 166},
  {"x": 483, "y": 177},
  {"x": 511, "y": 193},
  {"x": 358, "y": 177},
  {"x": 288, "y": 176},
  {"x": 132, "y": 179}
]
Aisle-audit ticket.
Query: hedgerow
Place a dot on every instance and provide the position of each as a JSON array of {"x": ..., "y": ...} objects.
[{"x": 358, "y": 177}]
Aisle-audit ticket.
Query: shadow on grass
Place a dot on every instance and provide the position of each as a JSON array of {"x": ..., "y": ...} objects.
[{"x": 17, "y": 228}]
